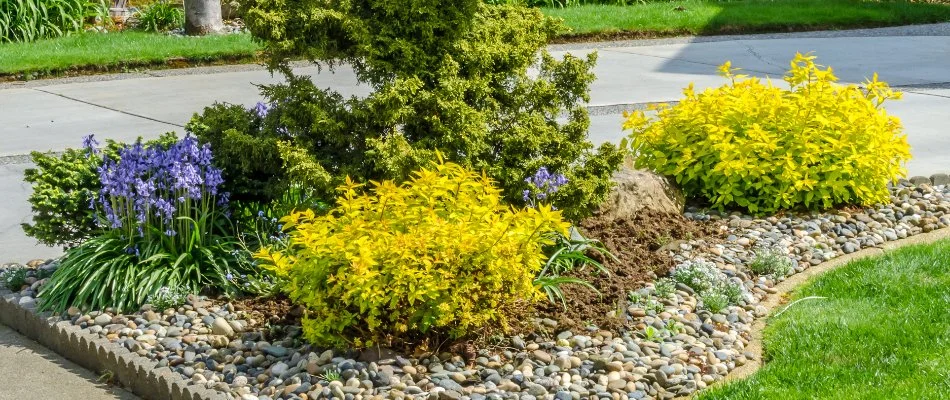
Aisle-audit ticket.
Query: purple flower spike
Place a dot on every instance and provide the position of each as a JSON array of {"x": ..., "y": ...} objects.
[
  {"x": 543, "y": 185},
  {"x": 262, "y": 108},
  {"x": 90, "y": 144},
  {"x": 150, "y": 186}
]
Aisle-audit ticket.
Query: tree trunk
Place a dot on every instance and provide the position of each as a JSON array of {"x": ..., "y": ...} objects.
[{"x": 203, "y": 17}]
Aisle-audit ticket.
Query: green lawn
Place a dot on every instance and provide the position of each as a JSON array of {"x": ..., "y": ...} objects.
[
  {"x": 706, "y": 17},
  {"x": 882, "y": 333},
  {"x": 92, "y": 52}
]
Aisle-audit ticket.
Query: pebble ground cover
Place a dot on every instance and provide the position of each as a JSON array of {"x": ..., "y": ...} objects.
[
  {"x": 434, "y": 238},
  {"x": 880, "y": 327},
  {"x": 666, "y": 343}
]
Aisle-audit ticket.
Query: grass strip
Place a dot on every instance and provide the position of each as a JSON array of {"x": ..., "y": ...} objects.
[
  {"x": 704, "y": 17},
  {"x": 882, "y": 330},
  {"x": 115, "y": 52},
  {"x": 91, "y": 53}
]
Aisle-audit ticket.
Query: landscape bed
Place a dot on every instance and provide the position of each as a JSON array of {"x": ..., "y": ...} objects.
[
  {"x": 665, "y": 346},
  {"x": 454, "y": 234}
]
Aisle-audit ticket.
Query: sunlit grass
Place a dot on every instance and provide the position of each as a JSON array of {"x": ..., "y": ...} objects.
[
  {"x": 111, "y": 51},
  {"x": 882, "y": 332},
  {"x": 705, "y": 17}
]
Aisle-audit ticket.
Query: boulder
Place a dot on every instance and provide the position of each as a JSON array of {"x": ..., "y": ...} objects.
[
  {"x": 940, "y": 179},
  {"x": 377, "y": 354},
  {"x": 638, "y": 191},
  {"x": 920, "y": 180}
]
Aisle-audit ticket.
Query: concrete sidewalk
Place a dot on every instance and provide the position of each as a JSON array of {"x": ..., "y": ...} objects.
[
  {"x": 30, "y": 371},
  {"x": 53, "y": 115}
]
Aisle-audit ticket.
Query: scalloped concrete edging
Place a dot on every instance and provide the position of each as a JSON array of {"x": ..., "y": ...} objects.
[
  {"x": 130, "y": 371},
  {"x": 786, "y": 287}
]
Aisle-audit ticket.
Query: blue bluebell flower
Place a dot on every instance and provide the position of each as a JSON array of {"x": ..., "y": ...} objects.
[
  {"x": 90, "y": 144},
  {"x": 149, "y": 184},
  {"x": 261, "y": 109},
  {"x": 542, "y": 185}
]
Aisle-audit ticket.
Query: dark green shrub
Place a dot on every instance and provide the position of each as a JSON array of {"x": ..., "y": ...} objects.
[
  {"x": 245, "y": 150},
  {"x": 449, "y": 77}
]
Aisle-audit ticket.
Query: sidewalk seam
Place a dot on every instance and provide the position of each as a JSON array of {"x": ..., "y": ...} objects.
[
  {"x": 108, "y": 108},
  {"x": 627, "y": 51}
]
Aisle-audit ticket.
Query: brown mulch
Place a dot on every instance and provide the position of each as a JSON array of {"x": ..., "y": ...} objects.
[
  {"x": 273, "y": 311},
  {"x": 638, "y": 246}
]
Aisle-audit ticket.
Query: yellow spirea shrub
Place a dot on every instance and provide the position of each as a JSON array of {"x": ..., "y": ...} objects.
[
  {"x": 762, "y": 148},
  {"x": 441, "y": 252}
]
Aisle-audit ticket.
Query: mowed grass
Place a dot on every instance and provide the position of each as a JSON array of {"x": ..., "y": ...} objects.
[
  {"x": 90, "y": 52},
  {"x": 95, "y": 53},
  {"x": 883, "y": 332},
  {"x": 709, "y": 17}
]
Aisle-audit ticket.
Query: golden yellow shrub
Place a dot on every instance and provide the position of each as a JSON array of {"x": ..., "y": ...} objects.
[
  {"x": 440, "y": 252},
  {"x": 759, "y": 147}
]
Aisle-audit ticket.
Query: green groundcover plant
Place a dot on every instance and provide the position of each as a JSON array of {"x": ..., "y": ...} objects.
[{"x": 448, "y": 77}]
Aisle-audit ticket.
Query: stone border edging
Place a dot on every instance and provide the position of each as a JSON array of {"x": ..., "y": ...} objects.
[
  {"x": 131, "y": 371},
  {"x": 774, "y": 300}
]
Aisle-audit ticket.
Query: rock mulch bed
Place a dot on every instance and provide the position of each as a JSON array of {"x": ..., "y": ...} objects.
[{"x": 673, "y": 348}]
